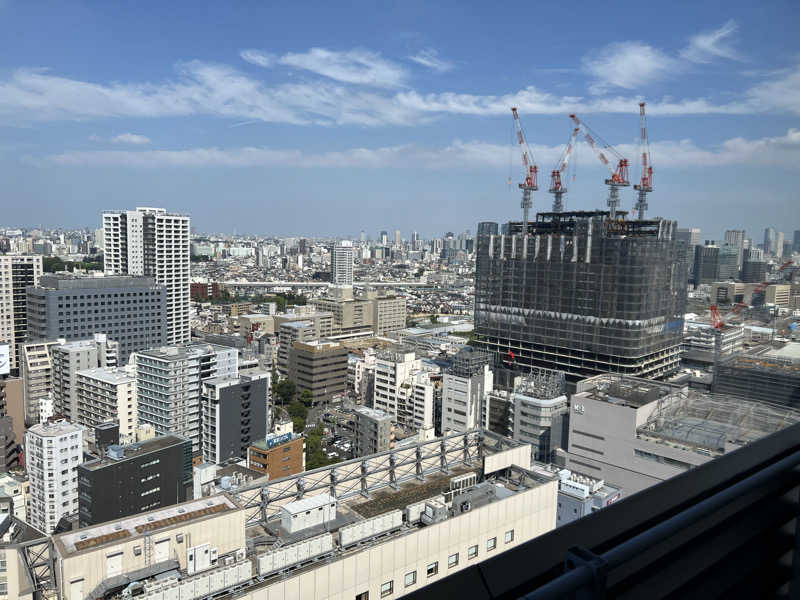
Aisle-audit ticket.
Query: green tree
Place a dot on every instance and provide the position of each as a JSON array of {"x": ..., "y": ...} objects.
[
  {"x": 285, "y": 391},
  {"x": 298, "y": 413},
  {"x": 434, "y": 319},
  {"x": 307, "y": 397},
  {"x": 315, "y": 455}
]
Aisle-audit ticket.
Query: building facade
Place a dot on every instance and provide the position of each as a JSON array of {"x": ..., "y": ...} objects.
[
  {"x": 53, "y": 453},
  {"x": 130, "y": 310},
  {"x": 278, "y": 455},
  {"x": 17, "y": 273},
  {"x": 342, "y": 263},
  {"x": 320, "y": 368},
  {"x": 374, "y": 431},
  {"x": 107, "y": 394},
  {"x": 582, "y": 294},
  {"x": 168, "y": 385},
  {"x": 135, "y": 478},
  {"x": 464, "y": 385},
  {"x": 37, "y": 376},
  {"x": 235, "y": 414},
  {"x": 152, "y": 242}
]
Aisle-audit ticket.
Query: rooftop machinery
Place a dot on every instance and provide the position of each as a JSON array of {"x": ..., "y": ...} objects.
[
  {"x": 557, "y": 187},
  {"x": 619, "y": 176},
  {"x": 645, "y": 184},
  {"x": 530, "y": 184}
]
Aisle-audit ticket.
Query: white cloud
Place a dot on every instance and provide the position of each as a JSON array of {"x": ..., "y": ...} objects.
[
  {"x": 430, "y": 58},
  {"x": 130, "y": 138},
  {"x": 258, "y": 58},
  {"x": 781, "y": 93},
  {"x": 706, "y": 46},
  {"x": 628, "y": 65},
  {"x": 780, "y": 150},
  {"x": 361, "y": 67}
]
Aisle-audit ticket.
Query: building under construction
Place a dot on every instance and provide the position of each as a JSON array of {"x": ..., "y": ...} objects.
[
  {"x": 582, "y": 293},
  {"x": 763, "y": 374}
]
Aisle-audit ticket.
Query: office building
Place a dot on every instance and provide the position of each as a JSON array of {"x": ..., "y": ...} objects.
[
  {"x": 735, "y": 237},
  {"x": 53, "y": 453},
  {"x": 168, "y": 385},
  {"x": 535, "y": 412},
  {"x": 464, "y": 385},
  {"x": 796, "y": 241},
  {"x": 706, "y": 264},
  {"x": 352, "y": 316},
  {"x": 580, "y": 495},
  {"x": 135, "y": 478},
  {"x": 389, "y": 312},
  {"x": 374, "y": 431},
  {"x": 320, "y": 368},
  {"x": 702, "y": 338},
  {"x": 687, "y": 240},
  {"x": 67, "y": 360},
  {"x": 235, "y": 414},
  {"x": 635, "y": 432},
  {"x": 404, "y": 389},
  {"x": 778, "y": 252},
  {"x": 152, "y": 242},
  {"x": 17, "y": 273},
  {"x": 130, "y": 310},
  {"x": 278, "y": 455},
  {"x": 754, "y": 271},
  {"x": 104, "y": 395},
  {"x": 581, "y": 294},
  {"x": 299, "y": 327},
  {"x": 729, "y": 260},
  {"x": 37, "y": 376},
  {"x": 770, "y": 240},
  {"x": 342, "y": 263}
]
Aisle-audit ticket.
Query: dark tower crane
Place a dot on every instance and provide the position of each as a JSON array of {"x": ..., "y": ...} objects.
[
  {"x": 557, "y": 187},
  {"x": 530, "y": 184},
  {"x": 619, "y": 176},
  {"x": 645, "y": 184}
]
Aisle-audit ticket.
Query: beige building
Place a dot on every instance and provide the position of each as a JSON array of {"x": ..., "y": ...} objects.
[
  {"x": 37, "y": 374},
  {"x": 726, "y": 292},
  {"x": 107, "y": 394}
]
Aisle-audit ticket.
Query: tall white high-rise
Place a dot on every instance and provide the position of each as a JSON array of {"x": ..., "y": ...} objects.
[
  {"x": 53, "y": 452},
  {"x": 342, "y": 263},
  {"x": 17, "y": 272},
  {"x": 151, "y": 241}
]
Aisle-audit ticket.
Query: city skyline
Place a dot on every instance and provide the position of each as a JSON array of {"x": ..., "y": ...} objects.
[{"x": 341, "y": 119}]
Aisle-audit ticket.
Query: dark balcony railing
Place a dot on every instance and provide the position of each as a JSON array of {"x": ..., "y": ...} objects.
[{"x": 722, "y": 530}]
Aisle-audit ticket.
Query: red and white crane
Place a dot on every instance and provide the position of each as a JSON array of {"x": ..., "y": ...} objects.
[
  {"x": 619, "y": 175},
  {"x": 645, "y": 184},
  {"x": 557, "y": 187},
  {"x": 531, "y": 183}
]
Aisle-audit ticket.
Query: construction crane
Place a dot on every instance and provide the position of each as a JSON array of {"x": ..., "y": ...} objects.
[
  {"x": 531, "y": 170},
  {"x": 719, "y": 322},
  {"x": 619, "y": 176},
  {"x": 645, "y": 184},
  {"x": 557, "y": 187}
]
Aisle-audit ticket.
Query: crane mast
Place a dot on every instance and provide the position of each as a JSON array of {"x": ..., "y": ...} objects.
[
  {"x": 530, "y": 184},
  {"x": 557, "y": 187},
  {"x": 619, "y": 176},
  {"x": 645, "y": 184}
]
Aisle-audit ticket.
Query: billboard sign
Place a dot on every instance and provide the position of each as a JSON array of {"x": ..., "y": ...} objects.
[{"x": 5, "y": 359}]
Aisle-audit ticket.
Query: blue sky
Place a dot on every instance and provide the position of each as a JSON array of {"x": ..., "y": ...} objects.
[{"x": 328, "y": 118}]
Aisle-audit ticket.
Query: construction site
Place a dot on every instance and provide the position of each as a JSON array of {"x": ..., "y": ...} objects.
[
  {"x": 765, "y": 373},
  {"x": 584, "y": 292}
]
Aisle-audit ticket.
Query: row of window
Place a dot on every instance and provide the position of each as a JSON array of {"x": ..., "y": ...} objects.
[{"x": 432, "y": 569}]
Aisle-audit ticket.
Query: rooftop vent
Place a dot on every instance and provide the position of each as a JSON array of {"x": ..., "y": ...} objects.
[{"x": 116, "y": 452}]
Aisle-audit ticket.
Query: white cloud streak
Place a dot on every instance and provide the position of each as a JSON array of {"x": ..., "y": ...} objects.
[
  {"x": 628, "y": 65},
  {"x": 258, "y": 58},
  {"x": 430, "y": 58},
  {"x": 705, "y": 47},
  {"x": 773, "y": 151},
  {"x": 358, "y": 66},
  {"x": 131, "y": 138}
]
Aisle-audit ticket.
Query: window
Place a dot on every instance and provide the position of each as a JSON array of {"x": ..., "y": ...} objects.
[
  {"x": 491, "y": 543},
  {"x": 509, "y": 537},
  {"x": 472, "y": 552},
  {"x": 433, "y": 568},
  {"x": 387, "y": 589},
  {"x": 411, "y": 578},
  {"x": 452, "y": 560}
]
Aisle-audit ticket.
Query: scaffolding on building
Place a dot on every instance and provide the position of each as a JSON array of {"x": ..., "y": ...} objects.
[{"x": 543, "y": 384}]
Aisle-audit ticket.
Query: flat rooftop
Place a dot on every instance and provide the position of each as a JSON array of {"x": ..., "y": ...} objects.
[
  {"x": 112, "y": 532},
  {"x": 113, "y": 375},
  {"x": 790, "y": 351},
  {"x": 184, "y": 351},
  {"x": 136, "y": 450},
  {"x": 634, "y": 392}
]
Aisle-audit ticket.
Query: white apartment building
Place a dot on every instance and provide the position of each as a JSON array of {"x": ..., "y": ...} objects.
[
  {"x": 105, "y": 394},
  {"x": 168, "y": 385},
  {"x": 53, "y": 452},
  {"x": 151, "y": 241},
  {"x": 36, "y": 367},
  {"x": 17, "y": 272},
  {"x": 69, "y": 358},
  {"x": 463, "y": 388},
  {"x": 403, "y": 388},
  {"x": 342, "y": 263},
  {"x": 17, "y": 490}
]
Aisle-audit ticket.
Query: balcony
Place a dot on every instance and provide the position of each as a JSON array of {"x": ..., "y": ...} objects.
[{"x": 725, "y": 529}]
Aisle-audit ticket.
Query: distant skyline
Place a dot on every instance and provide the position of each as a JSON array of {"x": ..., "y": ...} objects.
[{"x": 326, "y": 119}]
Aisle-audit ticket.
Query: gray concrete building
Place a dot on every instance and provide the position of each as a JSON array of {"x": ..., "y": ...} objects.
[
  {"x": 17, "y": 272},
  {"x": 130, "y": 310},
  {"x": 320, "y": 368},
  {"x": 374, "y": 431}
]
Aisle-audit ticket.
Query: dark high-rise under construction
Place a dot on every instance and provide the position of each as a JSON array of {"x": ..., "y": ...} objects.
[{"x": 582, "y": 293}]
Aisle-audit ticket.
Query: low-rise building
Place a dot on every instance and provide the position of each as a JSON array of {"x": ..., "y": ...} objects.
[
  {"x": 278, "y": 455},
  {"x": 374, "y": 431}
]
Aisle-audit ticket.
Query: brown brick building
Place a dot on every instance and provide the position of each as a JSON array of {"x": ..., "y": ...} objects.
[{"x": 278, "y": 458}]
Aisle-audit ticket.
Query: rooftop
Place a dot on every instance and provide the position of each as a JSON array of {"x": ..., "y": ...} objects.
[
  {"x": 633, "y": 392},
  {"x": 70, "y": 281},
  {"x": 373, "y": 413},
  {"x": 185, "y": 351},
  {"x": 132, "y": 451},
  {"x": 112, "y": 375},
  {"x": 110, "y": 533},
  {"x": 790, "y": 351},
  {"x": 54, "y": 428}
]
